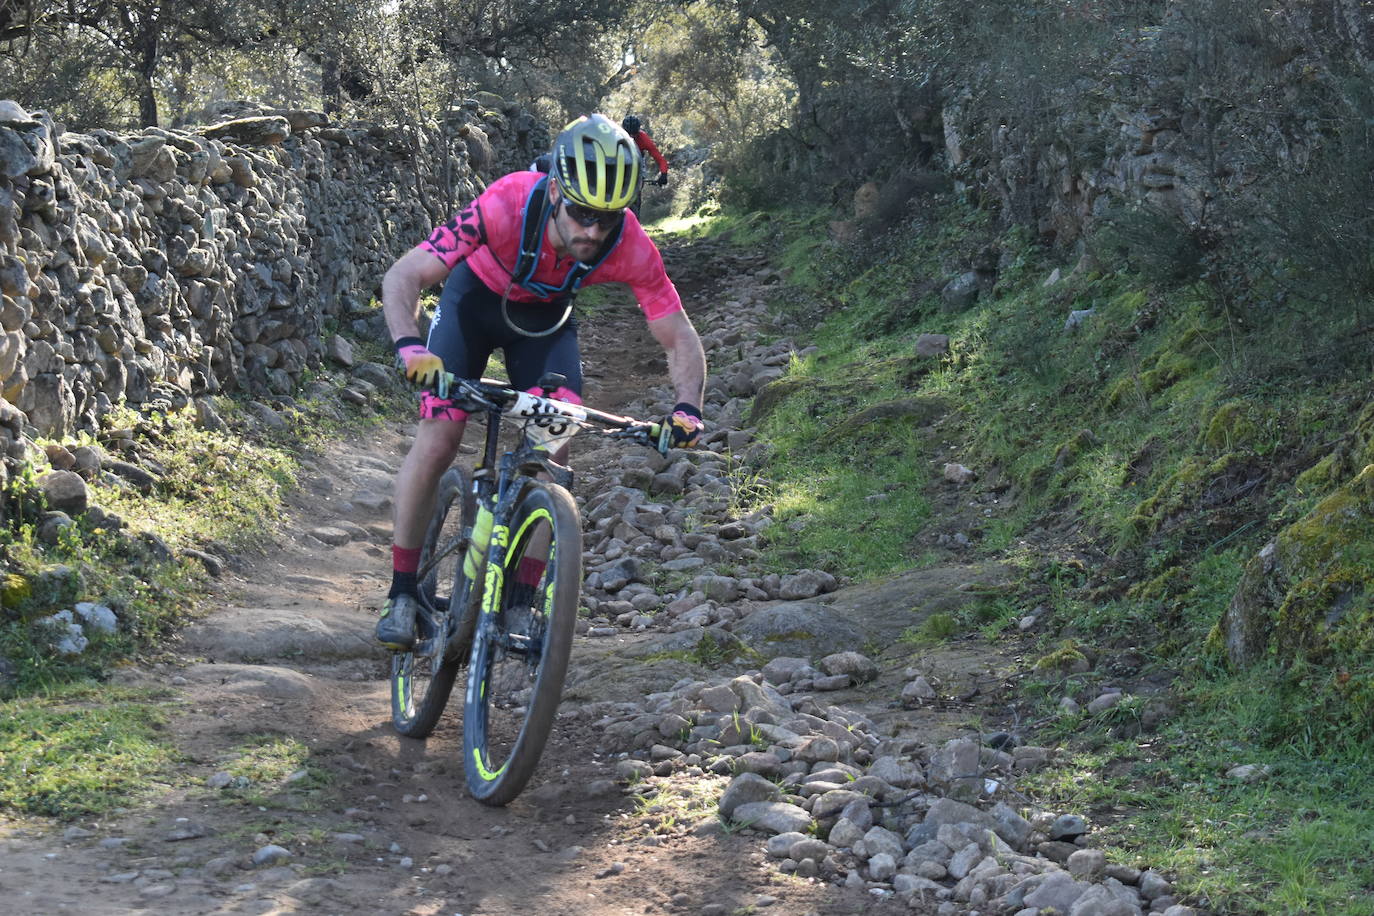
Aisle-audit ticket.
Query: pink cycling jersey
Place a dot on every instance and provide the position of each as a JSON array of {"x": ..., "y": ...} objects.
[{"x": 486, "y": 233}]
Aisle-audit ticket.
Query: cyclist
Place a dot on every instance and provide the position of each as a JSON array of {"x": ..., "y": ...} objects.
[
  {"x": 646, "y": 143},
  {"x": 514, "y": 258}
]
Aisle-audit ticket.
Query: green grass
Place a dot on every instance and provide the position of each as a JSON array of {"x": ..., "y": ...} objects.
[
  {"x": 1294, "y": 842},
  {"x": 217, "y": 487},
  {"x": 67, "y": 748},
  {"x": 675, "y": 806},
  {"x": 275, "y": 771},
  {"x": 709, "y": 653},
  {"x": 1161, "y": 442},
  {"x": 219, "y": 491},
  {"x": 847, "y": 495},
  {"x": 269, "y": 759},
  {"x": 83, "y": 751},
  {"x": 934, "y": 629},
  {"x": 149, "y": 597}
]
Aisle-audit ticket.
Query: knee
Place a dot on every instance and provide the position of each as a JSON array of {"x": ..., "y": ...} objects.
[{"x": 436, "y": 443}]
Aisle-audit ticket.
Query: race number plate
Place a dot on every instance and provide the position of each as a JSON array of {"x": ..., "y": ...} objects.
[{"x": 548, "y": 423}]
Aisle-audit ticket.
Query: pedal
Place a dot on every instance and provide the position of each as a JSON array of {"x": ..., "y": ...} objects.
[{"x": 425, "y": 648}]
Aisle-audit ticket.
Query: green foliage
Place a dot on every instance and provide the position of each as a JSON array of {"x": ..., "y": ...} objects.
[
  {"x": 81, "y": 752},
  {"x": 1066, "y": 658},
  {"x": 94, "y": 65},
  {"x": 988, "y": 617},
  {"x": 992, "y": 616},
  {"x": 1151, "y": 241},
  {"x": 1143, "y": 433},
  {"x": 710, "y": 653},
  {"x": 1308, "y": 609},
  {"x": 850, "y": 501},
  {"x": 207, "y": 471}
]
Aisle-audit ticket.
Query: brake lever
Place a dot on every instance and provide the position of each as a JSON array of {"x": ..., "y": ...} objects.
[{"x": 468, "y": 391}]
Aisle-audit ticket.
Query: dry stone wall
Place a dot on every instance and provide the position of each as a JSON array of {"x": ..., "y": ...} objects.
[
  {"x": 153, "y": 268},
  {"x": 1165, "y": 120}
]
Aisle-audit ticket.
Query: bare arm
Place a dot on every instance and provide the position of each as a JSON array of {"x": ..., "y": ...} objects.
[
  {"x": 413, "y": 272},
  {"x": 686, "y": 359}
]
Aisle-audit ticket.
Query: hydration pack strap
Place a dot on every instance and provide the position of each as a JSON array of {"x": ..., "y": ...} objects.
[{"x": 535, "y": 220}]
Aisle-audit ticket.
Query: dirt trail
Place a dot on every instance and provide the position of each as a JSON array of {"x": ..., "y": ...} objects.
[{"x": 378, "y": 824}]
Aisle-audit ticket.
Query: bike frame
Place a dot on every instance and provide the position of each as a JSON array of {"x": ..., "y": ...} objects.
[
  {"x": 498, "y": 479},
  {"x": 519, "y": 523}
]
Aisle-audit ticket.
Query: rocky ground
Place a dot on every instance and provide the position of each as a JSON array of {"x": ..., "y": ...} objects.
[{"x": 732, "y": 740}]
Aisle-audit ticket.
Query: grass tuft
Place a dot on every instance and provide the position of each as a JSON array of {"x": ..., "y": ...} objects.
[{"x": 83, "y": 751}]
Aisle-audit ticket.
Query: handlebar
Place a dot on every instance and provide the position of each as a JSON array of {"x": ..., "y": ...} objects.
[{"x": 546, "y": 418}]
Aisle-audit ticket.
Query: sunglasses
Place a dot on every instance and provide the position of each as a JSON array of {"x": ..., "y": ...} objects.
[{"x": 587, "y": 217}]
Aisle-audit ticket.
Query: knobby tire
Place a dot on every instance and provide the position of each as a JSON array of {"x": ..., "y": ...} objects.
[
  {"x": 512, "y": 696},
  {"x": 420, "y": 683}
]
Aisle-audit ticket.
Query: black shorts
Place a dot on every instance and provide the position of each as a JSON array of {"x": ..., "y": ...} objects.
[{"x": 468, "y": 327}]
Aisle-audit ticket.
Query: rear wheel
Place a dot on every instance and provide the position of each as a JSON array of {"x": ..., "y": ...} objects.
[
  {"x": 639, "y": 186},
  {"x": 422, "y": 678},
  {"x": 521, "y": 645}
]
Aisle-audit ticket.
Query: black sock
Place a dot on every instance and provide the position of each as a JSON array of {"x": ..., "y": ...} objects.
[{"x": 403, "y": 583}]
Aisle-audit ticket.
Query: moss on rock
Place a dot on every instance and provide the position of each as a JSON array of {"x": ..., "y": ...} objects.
[
  {"x": 1073, "y": 448},
  {"x": 773, "y": 394},
  {"x": 1353, "y": 452},
  {"x": 1165, "y": 370},
  {"x": 38, "y": 592},
  {"x": 1183, "y": 488},
  {"x": 1320, "y": 477},
  {"x": 1168, "y": 584},
  {"x": 1230, "y": 427},
  {"x": 15, "y": 591},
  {"x": 1305, "y": 600}
]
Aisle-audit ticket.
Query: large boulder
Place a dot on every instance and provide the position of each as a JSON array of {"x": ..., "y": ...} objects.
[
  {"x": 799, "y": 628},
  {"x": 1301, "y": 592}
]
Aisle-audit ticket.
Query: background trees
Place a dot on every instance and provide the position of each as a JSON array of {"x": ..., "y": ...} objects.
[
  {"x": 138, "y": 62},
  {"x": 806, "y": 99}
]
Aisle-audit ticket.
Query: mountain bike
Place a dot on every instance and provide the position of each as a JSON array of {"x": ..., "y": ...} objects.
[
  {"x": 645, "y": 165},
  {"x": 506, "y": 541}
]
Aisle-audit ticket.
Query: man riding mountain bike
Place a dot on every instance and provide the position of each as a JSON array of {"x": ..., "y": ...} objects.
[
  {"x": 646, "y": 144},
  {"x": 512, "y": 262}
]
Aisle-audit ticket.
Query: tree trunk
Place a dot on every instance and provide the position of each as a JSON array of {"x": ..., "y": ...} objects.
[
  {"x": 147, "y": 70},
  {"x": 147, "y": 102},
  {"x": 329, "y": 83}
]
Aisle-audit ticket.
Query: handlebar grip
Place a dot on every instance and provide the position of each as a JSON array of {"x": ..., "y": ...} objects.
[{"x": 662, "y": 434}]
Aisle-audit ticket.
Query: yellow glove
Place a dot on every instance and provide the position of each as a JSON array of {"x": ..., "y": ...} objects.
[
  {"x": 419, "y": 365},
  {"x": 684, "y": 426}
]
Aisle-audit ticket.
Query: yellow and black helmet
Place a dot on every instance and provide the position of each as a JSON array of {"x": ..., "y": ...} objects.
[{"x": 596, "y": 164}]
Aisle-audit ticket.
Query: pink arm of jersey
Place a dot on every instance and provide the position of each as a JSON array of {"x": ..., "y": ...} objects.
[
  {"x": 457, "y": 238},
  {"x": 641, "y": 266},
  {"x": 646, "y": 143}
]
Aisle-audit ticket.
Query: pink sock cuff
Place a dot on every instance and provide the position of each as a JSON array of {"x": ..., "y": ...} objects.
[
  {"x": 405, "y": 559},
  {"x": 530, "y": 571}
]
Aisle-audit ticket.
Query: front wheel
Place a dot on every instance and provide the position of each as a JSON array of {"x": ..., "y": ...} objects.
[
  {"x": 422, "y": 678},
  {"x": 521, "y": 645}
]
